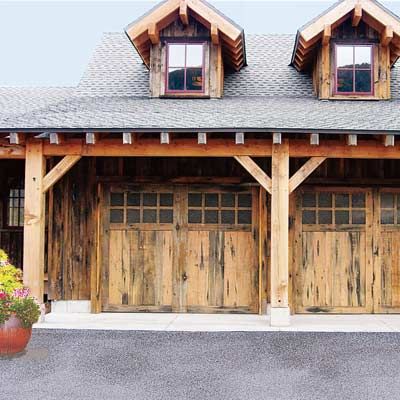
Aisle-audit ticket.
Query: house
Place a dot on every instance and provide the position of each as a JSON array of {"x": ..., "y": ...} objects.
[{"x": 198, "y": 169}]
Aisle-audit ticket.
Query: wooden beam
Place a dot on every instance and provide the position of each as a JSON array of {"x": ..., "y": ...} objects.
[
  {"x": 357, "y": 15},
  {"x": 280, "y": 235},
  {"x": 326, "y": 35},
  {"x": 164, "y": 138},
  {"x": 59, "y": 171},
  {"x": 214, "y": 34},
  {"x": 153, "y": 33},
  {"x": 92, "y": 137},
  {"x": 387, "y": 36},
  {"x": 183, "y": 13},
  {"x": 14, "y": 152},
  {"x": 255, "y": 171},
  {"x": 127, "y": 138},
  {"x": 239, "y": 138},
  {"x": 56, "y": 138},
  {"x": 34, "y": 219},
  {"x": 352, "y": 140},
  {"x": 388, "y": 140},
  {"x": 202, "y": 138},
  {"x": 304, "y": 172},
  {"x": 276, "y": 138},
  {"x": 314, "y": 139}
]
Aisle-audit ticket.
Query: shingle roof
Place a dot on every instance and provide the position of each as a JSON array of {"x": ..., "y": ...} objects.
[{"x": 267, "y": 94}]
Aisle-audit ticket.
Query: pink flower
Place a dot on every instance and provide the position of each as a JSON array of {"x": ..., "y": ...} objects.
[
  {"x": 3, "y": 295},
  {"x": 21, "y": 293}
]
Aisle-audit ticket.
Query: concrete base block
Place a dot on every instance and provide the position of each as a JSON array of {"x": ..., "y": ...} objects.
[
  {"x": 280, "y": 316},
  {"x": 70, "y": 306}
]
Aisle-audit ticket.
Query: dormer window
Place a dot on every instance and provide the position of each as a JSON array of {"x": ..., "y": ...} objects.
[
  {"x": 185, "y": 68},
  {"x": 354, "y": 69}
]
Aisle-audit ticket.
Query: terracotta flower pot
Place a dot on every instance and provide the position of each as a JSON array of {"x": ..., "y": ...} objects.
[{"x": 13, "y": 337}]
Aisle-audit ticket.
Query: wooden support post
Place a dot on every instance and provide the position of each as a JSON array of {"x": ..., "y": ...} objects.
[
  {"x": 214, "y": 34},
  {"x": 314, "y": 139},
  {"x": 255, "y": 171},
  {"x": 56, "y": 138},
  {"x": 153, "y": 33},
  {"x": 387, "y": 36},
  {"x": 183, "y": 13},
  {"x": 34, "y": 219},
  {"x": 202, "y": 138},
  {"x": 326, "y": 36},
  {"x": 357, "y": 15},
  {"x": 325, "y": 90},
  {"x": 59, "y": 171},
  {"x": 239, "y": 138},
  {"x": 280, "y": 313}
]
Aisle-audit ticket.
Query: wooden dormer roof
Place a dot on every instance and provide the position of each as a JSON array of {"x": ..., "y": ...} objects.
[
  {"x": 146, "y": 30},
  {"x": 318, "y": 31}
]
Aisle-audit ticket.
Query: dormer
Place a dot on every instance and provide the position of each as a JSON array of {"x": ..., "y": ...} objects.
[
  {"x": 187, "y": 45},
  {"x": 349, "y": 50}
]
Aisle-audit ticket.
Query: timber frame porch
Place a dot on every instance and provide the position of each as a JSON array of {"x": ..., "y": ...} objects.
[{"x": 35, "y": 148}]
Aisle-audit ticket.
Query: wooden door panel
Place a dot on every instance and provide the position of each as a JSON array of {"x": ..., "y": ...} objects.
[{"x": 390, "y": 269}]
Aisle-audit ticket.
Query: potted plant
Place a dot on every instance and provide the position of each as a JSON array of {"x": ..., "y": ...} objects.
[{"x": 18, "y": 310}]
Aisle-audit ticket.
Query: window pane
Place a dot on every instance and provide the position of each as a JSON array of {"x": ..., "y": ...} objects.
[
  {"x": 211, "y": 217},
  {"x": 176, "y": 55},
  {"x": 359, "y": 217},
  {"x": 228, "y": 217},
  {"x": 325, "y": 200},
  {"x": 325, "y": 217},
  {"x": 133, "y": 199},
  {"x": 133, "y": 216},
  {"x": 228, "y": 200},
  {"x": 150, "y": 199},
  {"x": 362, "y": 57},
  {"x": 387, "y": 200},
  {"x": 149, "y": 216},
  {"x": 211, "y": 200},
  {"x": 166, "y": 199},
  {"x": 309, "y": 200},
  {"x": 309, "y": 217},
  {"x": 116, "y": 216},
  {"x": 363, "y": 81},
  {"x": 342, "y": 200},
  {"x": 117, "y": 199},
  {"x": 358, "y": 200},
  {"x": 194, "y": 57},
  {"x": 345, "y": 81},
  {"x": 166, "y": 216},
  {"x": 244, "y": 217},
  {"x": 344, "y": 57},
  {"x": 342, "y": 217},
  {"x": 387, "y": 217},
  {"x": 176, "y": 79},
  {"x": 194, "y": 200},
  {"x": 244, "y": 200},
  {"x": 194, "y": 79},
  {"x": 194, "y": 217}
]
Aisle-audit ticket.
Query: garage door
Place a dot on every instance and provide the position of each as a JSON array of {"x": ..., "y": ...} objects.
[
  {"x": 334, "y": 267},
  {"x": 180, "y": 249}
]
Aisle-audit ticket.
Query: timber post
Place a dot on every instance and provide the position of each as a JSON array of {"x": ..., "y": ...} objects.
[
  {"x": 34, "y": 219},
  {"x": 280, "y": 313}
]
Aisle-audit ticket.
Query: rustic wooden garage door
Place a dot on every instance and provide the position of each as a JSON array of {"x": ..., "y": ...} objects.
[
  {"x": 180, "y": 249},
  {"x": 334, "y": 267}
]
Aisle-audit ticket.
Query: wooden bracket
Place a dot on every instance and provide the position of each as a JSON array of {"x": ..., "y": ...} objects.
[
  {"x": 92, "y": 137},
  {"x": 17, "y": 138},
  {"x": 202, "y": 138},
  {"x": 388, "y": 140},
  {"x": 56, "y": 138},
  {"x": 304, "y": 172},
  {"x": 314, "y": 139},
  {"x": 255, "y": 171},
  {"x": 59, "y": 171}
]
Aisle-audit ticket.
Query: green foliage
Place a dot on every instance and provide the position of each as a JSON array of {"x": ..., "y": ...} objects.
[{"x": 14, "y": 298}]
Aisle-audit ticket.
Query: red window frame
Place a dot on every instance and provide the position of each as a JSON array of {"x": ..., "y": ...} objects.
[
  {"x": 169, "y": 91},
  {"x": 354, "y": 69}
]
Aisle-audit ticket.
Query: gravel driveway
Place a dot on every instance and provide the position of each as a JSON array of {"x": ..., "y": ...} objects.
[{"x": 170, "y": 365}]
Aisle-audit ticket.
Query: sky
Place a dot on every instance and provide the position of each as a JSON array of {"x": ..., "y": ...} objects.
[{"x": 48, "y": 43}]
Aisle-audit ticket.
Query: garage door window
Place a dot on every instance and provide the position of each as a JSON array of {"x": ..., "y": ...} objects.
[
  {"x": 390, "y": 208},
  {"x": 329, "y": 208}
]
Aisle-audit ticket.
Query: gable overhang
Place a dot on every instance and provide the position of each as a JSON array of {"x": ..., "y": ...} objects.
[
  {"x": 318, "y": 31},
  {"x": 146, "y": 30}
]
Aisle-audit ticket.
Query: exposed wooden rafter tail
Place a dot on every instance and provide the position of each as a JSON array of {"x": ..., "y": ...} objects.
[
  {"x": 357, "y": 15},
  {"x": 183, "y": 12}
]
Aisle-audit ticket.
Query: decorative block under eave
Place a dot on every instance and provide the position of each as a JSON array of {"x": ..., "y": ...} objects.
[
  {"x": 127, "y": 138},
  {"x": 164, "y": 138},
  {"x": 388, "y": 140},
  {"x": 314, "y": 139},
  {"x": 239, "y": 138},
  {"x": 352, "y": 140},
  {"x": 277, "y": 138},
  {"x": 202, "y": 138}
]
